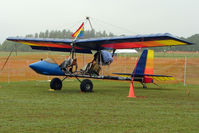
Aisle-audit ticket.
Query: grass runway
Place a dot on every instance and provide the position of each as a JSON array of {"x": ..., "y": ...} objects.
[{"x": 28, "y": 106}]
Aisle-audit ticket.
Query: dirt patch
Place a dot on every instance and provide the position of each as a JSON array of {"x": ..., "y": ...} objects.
[{"x": 17, "y": 68}]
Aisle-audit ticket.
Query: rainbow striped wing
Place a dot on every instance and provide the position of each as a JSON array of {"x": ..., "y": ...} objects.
[
  {"x": 63, "y": 45},
  {"x": 128, "y": 42},
  {"x": 86, "y": 45}
]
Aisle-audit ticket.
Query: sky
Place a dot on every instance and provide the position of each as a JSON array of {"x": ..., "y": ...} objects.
[{"x": 129, "y": 17}]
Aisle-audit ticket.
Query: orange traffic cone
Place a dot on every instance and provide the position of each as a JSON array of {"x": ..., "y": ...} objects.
[{"x": 131, "y": 91}]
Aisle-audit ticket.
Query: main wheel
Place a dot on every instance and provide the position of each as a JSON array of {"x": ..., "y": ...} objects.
[
  {"x": 56, "y": 84},
  {"x": 86, "y": 85}
]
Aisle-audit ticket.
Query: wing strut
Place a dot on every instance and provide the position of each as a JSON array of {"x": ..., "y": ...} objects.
[{"x": 7, "y": 59}]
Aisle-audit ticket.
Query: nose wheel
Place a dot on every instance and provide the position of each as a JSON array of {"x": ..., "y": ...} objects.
[{"x": 56, "y": 84}]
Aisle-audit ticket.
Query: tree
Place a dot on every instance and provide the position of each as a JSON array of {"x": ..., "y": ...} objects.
[
  {"x": 41, "y": 35},
  {"x": 36, "y": 35},
  {"x": 0, "y": 47},
  {"x": 46, "y": 34}
]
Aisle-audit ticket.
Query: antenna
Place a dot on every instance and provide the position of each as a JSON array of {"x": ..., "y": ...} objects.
[{"x": 88, "y": 18}]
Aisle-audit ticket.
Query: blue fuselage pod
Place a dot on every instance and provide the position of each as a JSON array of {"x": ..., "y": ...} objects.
[{"x": 47, "y": 68}]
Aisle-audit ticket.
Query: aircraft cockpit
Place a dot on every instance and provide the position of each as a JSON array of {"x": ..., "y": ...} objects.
[{"x": 50, "y": 60}]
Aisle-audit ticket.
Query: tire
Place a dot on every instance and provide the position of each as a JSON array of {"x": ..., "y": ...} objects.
[
  {"x": 86, "y": 85},
  {"x": 56, "y": 84}
]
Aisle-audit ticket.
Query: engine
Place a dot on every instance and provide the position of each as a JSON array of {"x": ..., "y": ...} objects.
[{"x": 103, "y": 57}]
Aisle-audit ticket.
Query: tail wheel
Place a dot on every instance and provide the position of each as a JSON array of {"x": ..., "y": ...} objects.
[
  {"x": 56, "y": 84},
  {"x": 86, "y": 85}
]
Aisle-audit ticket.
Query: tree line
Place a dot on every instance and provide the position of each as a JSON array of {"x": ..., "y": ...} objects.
[{"x": 63, "y": 34}]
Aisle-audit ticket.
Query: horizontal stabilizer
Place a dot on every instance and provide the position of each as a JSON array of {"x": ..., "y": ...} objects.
[
  {"x": 156, "y": 77},
  {"x": 162, "y": 78}
]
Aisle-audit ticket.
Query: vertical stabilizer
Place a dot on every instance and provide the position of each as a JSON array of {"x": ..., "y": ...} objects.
[{"x": 145, "y": 65}]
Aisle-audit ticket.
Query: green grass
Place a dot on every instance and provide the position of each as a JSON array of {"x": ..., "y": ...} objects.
[{"x": 30, "y": 107}]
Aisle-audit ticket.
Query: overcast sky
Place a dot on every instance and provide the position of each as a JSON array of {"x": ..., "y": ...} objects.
[{"x": 178, "y": 17}]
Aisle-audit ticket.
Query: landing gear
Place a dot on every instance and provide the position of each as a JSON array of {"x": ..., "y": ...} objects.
[
  {"x": 86, "y": 85},
  {"x": 56, "y": 84}
]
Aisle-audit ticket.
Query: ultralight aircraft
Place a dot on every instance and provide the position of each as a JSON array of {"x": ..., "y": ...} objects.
[{"x": 103, "y": 56}]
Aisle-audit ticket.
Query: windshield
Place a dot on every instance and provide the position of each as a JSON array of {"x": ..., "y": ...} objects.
[{"x": 49, "y": 60}]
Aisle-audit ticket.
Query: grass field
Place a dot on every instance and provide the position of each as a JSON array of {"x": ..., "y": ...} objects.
[{"x": 29, "y": 107}]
